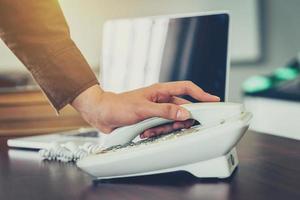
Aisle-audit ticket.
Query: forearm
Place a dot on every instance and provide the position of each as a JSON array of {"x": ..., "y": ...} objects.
[{"x": 38, "y": 35}]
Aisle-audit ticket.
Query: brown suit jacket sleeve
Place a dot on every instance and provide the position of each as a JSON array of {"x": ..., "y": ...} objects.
[{"x": 37, "y": 33}]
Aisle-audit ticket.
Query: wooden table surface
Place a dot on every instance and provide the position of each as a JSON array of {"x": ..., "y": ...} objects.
[{"x": 269, "y": 169}]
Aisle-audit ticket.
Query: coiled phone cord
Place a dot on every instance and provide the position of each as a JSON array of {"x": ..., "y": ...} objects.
[{"x": 69, "y": 152}]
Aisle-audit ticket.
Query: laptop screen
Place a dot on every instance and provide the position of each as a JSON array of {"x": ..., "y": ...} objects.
[
  {"x": 138, "y": 52},
  {"x": 196, "y": 50}
]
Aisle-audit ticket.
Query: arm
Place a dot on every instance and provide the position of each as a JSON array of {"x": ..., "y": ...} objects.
[{"x": 37, "y": 33}]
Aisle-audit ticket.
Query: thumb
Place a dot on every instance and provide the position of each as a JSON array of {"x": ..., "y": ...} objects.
[{"x": 167, "y": 111}]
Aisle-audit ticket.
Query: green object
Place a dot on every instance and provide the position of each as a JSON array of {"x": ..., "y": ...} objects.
[
  {"x": 286, "y": 73},
  {"x": 256, "y": 84}
]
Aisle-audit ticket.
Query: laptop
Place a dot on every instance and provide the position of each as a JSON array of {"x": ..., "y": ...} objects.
[{"x": 138, "y": 52}]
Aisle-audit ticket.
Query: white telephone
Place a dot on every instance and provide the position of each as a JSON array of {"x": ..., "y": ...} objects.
[{"x": 205, "y": 150}]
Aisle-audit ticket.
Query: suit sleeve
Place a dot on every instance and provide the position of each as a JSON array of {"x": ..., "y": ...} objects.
[{"x": 37, "y": 33}]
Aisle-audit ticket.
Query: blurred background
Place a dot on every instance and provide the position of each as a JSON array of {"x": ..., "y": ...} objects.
[{"x": 264, "y": 34}]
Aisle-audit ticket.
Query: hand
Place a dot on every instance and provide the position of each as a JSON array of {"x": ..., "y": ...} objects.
[{"x": 107, "y": 111}]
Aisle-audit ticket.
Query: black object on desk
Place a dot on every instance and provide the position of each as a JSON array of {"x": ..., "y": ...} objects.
[
  {"x": 282, "y": 84},
  {"x": 269, "y": 169}
]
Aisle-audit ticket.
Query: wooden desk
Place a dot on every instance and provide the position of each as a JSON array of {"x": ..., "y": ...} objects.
[{"x": 269, "y": 169}]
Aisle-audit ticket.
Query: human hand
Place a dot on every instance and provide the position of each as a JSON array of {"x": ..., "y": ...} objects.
[{"x": 107, "y": 111}]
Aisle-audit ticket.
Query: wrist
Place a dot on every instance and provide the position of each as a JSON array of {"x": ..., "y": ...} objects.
[
  {"x": 87, "y": 98},
  {"x": 93, "y": 106}
]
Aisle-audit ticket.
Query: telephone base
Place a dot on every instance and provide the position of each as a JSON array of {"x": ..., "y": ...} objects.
[{"x": 220, "y": 167}]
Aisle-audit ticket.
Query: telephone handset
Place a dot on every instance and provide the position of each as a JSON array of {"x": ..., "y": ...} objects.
[
  {"x": 204, "y": 113},
  {"x": 205, "y": 150}
]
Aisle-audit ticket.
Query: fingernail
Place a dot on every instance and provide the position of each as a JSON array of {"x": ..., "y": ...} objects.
[
  {"x": 214, "y": 96},
  {"x": 182, "y": 115}
]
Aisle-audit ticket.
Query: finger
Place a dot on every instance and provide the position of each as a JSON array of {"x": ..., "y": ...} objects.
[
  {"x": 158, "y": 131},
  {"x": 164, "y": 110},
  {"x": 179, "y": 101},
  {"x": 166, "y": 98},
  {"x": 185, "y": 88},
  {"x": 164, "y": 129},
  {"x": 167, "y": 128},
  {"x": 186, "y": 124}
]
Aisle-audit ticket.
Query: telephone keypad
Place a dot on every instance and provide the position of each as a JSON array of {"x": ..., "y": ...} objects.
[{"x": 152, "y": 140}]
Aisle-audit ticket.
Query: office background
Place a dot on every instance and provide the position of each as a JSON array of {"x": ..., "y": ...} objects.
[{"x": 276, "y": 43}]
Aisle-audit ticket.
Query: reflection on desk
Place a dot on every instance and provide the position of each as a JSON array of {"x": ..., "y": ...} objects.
[{"x": 269, "y": 169}]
